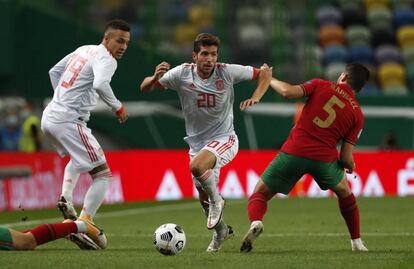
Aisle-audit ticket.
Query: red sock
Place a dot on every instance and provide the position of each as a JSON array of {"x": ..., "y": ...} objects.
[
  {"x": 350, "y": 212},
  {"x": 257, "y": 206},
  {"x": 49, "y": 232}
]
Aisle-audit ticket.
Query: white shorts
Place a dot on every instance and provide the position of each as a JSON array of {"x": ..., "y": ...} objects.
[
  {"x": 75, "y": 139},
  {"x": 224, "y": 148}
]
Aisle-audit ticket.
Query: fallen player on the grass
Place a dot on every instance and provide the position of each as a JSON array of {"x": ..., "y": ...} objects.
[{"x": 28, "y": 240}]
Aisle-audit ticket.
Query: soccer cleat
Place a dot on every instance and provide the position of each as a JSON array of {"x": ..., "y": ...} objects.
[
  {"x": 83, "y": 241},
  {"x": 215, "y": 213},
  {"x": 93, "y": 239},
  {"x": 358, "y": 245},
  {"x": 256, "y": 228},
  {"x": 67, "y": 209},
  {"x": 217, "y": 240},
  {"x": 95, "y": 233}
]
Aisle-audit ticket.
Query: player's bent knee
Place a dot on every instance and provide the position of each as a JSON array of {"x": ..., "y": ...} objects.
[
  {"x": 196, "y": 168},
  {"x": 24, "y": 241},
  {"x": 101, "y": 171}
]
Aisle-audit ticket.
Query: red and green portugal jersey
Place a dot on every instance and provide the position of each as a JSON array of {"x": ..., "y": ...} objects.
[{"x": 331, "y": 114}]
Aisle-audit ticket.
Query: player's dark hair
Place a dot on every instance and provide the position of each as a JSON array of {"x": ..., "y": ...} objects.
[
  {"x": 118, "y": 24},
  {"x": 358, "y": 75},
  {"x": 205, "y": 39}
]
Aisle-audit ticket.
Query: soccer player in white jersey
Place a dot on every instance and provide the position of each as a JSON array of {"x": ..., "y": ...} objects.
[
  {"x": 205, "y": 89},
  {"x": 77, "y": 80}
]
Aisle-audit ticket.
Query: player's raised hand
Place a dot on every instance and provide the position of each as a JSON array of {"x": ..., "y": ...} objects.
[
  {"x": 161, "y": 69},
  {"x": 122, "y": 115},
  {"x": 248, "y": 103},
  {"x": 267, "y": 70}
]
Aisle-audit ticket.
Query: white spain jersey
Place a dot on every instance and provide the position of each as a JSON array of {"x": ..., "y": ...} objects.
[
  {"x": 207, "y": 103},
  {"x": 77, "y": 80}
]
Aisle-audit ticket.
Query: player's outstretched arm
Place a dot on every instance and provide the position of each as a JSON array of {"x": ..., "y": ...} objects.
[
  {"x": 345, "y": 157},
  {"x": 287, "y": 90},
  {"x": 150, "y": 83},
  {"x": 263, "y": 81}
]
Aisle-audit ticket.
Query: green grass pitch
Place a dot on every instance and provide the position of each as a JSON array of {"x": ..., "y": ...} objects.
[{"x": 299, "y": 233}]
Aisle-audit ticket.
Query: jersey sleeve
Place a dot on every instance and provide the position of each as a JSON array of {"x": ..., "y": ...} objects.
[
  {"x": 310, "y": 86},
  {"x": 103, "y": 70},
  {"x": 56, "y": 71},
  {"x": 355, "y": 132},
  {"x": 171, "y": 79},
  {"x": 240, "y": 73}
]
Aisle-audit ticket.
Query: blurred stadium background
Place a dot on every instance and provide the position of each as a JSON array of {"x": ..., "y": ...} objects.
[{"x": 301, "y": 39}]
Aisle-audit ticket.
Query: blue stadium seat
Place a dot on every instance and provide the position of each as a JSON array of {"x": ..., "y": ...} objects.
[
  {"x": 387, "y": 53},
  {"x": 334, "y": 54},
  {"x": 371, "y": 89},
  {"x": 403, "y": 17},
  {"x": 362, "y": 54}
]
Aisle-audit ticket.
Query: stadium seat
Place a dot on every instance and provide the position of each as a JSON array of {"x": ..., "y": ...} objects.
[
  {"x": 347, "y": 2},
  {"x": 334, "y": 54},
  {"x": 387, "y": 53},
  {"x": 372, "y": 68},
  {"x": 362, "y": 54},
  {"x": 405, "y": 36},
  {"x": 184, "y": 33},
  {"x": 382, "y": 35},
  {"x": 331, "y": 35},
  {"x": 402, "y": 4},
  {"x": 391, "y": 74},
  {"x": 403, "y": 17},
  {"x": 395, "y": 90},
  {"x": 369, "y": 4},
  {"x": 328, "y": 15},
  {"x": 410, "y": 75},
  {"x": 408, "y": 55},
  {"x": 379, "y": 15},
  {"x": 353, "y": 14},
  {"x": 202, "y": 16},
  {"x": 371, "y": 89},
  {"x": 358, "y": 35},
  {"x": 333, "y": 71}
]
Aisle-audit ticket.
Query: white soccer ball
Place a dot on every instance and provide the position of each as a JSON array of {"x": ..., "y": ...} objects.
[{"x": 169, "y": 239}]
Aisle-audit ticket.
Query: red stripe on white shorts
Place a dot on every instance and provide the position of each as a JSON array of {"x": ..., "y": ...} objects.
[
  {"x": 88, "y": 147},
  {"x": 229, "y": 144}
]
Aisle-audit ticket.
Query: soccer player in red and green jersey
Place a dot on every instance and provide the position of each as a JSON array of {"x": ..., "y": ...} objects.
[{"x": 331, "y": 115}]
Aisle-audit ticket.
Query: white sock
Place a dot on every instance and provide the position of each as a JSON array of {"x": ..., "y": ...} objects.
[
  {"x": 357, "y": 241},
  {"x": 208, "y": 182},
  {"x": 70, "y": 178},
  {"x": 81, "y": 226},
  {"x": 220, "y": 227},
  {"x": 96, "y": 193}
]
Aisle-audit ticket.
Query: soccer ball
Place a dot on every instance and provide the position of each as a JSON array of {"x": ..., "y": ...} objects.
[{"x": 169, "y": 239}]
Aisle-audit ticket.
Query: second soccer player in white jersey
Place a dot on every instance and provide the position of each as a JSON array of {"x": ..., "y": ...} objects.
[
  {"x": 205, "y": 89},
  {"x": 77, "y": 80}
]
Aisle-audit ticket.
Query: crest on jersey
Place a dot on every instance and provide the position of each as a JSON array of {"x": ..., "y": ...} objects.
[{"x": 220, "y": 85}]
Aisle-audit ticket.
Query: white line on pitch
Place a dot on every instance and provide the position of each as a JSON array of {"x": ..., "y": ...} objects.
[
  {"x": 281, "y": 235},
  {"x": 119, "y": 213}
]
